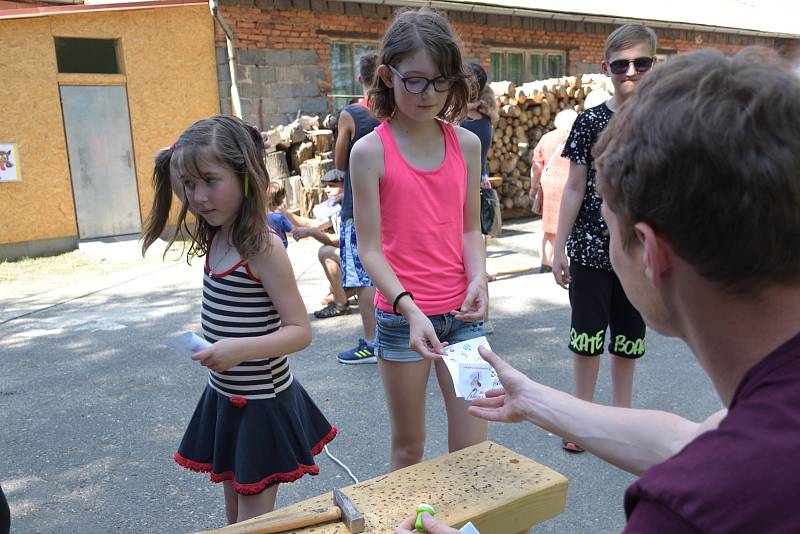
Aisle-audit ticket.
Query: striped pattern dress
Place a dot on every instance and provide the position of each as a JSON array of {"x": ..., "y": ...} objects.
[
  {"x": 254, "y": 424},
  {"x": 235, "y": 304}
]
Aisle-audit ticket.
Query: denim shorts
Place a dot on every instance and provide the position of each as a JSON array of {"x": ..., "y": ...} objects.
[{"x": 391, "y": 334}]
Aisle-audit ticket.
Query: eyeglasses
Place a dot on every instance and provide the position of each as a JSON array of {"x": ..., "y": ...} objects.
[
  {"x": 418, "y": 84},
  {"x": 641, "y": 64}
]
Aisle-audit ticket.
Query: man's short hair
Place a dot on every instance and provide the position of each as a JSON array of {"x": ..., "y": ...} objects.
[
  {"x": 707, "y": 152},
  {"x": 628, "y": 36},
  {"x": 366, "y": 67}
]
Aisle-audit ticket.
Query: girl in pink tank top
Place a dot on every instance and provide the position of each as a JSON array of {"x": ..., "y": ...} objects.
[{"x": 416, "y": 205}]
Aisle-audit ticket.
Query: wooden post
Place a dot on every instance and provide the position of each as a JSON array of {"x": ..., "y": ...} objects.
[
  {"x": 322, "y": 140},
  {"x": 300, "y": 152},
  {"x": 276, "y": 165},
  {"x": 312, "y": 170}
]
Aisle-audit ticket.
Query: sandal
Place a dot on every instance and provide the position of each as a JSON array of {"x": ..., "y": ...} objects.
[
  {"x": 571, "y": 446},
  {"x": 332, "y": 310}
]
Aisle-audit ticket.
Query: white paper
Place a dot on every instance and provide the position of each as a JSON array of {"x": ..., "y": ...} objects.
[
  {"x": 187, "y": 344},
  {"x": 472, "y": 376},
  {"x": 469, "y": 528}
]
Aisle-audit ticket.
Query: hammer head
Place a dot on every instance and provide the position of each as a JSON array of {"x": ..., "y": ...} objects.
[{"x": 351, "y": 517}]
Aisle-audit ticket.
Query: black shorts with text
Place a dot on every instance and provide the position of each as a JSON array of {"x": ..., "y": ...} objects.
[{"x": 598, "y": 301}]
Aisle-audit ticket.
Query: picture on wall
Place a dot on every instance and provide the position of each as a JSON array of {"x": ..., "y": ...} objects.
[{"x": 9, "y": 163}]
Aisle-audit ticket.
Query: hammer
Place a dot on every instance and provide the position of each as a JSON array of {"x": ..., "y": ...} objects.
[{"x": 343, "y": 510}]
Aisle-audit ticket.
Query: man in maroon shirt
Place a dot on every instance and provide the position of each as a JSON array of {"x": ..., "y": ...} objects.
[{"x": 700, "y": 179}]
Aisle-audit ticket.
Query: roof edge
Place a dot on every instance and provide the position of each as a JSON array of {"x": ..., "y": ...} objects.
[
  {"x": 478, "y": 7},
  {"x": 49, "y": 11}
]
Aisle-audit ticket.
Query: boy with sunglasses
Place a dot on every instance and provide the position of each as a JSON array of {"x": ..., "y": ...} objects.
[{"x": 595, "y": 293}]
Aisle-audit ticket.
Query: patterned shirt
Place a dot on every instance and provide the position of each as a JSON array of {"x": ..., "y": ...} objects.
[
  {"x": 235, "y": 304},
  {"x": 588, "y": 242}
]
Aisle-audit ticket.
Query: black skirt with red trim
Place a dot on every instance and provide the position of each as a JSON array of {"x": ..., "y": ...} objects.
[{"x": 255, "y": 443}]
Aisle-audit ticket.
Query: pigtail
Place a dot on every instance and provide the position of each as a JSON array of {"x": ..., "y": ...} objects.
[
  {"x": 162, "y": 200},
  {"x": 251, "y": 232}
]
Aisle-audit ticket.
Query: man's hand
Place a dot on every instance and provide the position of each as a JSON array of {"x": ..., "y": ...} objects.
[{"x": 509, "y": 404}]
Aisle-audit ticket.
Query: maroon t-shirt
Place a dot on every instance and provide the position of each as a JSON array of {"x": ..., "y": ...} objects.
[{"x": 743, "y": 476}]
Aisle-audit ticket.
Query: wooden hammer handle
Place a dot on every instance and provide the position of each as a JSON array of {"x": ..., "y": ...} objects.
[{"x": 282, "y": 523}]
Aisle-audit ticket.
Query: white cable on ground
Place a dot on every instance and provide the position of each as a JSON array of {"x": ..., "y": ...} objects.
[{"x": 339, "y": 462}]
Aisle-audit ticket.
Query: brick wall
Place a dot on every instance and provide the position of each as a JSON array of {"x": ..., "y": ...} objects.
[{"x": 284, "y": 47}]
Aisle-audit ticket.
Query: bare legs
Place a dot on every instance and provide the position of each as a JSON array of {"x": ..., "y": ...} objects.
[
  {"x": 622, "y": 379},
  {"x": 548, "y": 242},
  {"x": 586, "y": 370},
  {"x": 366, "y": 307},
  {"x": 239, "y": 507},
  {"x": 404, "y": 384},
  {"x": 622, "y": 370},
  {"x": 463, "y": 430},
  {"x": 329, "y": 258}
]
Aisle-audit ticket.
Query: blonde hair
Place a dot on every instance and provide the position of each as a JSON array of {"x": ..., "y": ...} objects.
[{"x": 628, "y": 36}]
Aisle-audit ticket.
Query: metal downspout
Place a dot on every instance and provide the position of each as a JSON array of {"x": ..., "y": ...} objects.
[{"x": 230, "y": 39}]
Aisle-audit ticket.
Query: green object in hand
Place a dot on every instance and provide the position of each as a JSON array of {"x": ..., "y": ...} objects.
[{"x": 420, "y": 509}]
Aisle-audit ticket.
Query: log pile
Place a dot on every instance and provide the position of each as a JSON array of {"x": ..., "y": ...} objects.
[
  {"x": 526, "y": 114},
  {"x": 300, "y": 154}
]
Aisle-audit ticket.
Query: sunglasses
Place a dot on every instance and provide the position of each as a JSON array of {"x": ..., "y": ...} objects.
[
  {"x": 641, "y": 64},
  {"x": 417, "y": 84}
]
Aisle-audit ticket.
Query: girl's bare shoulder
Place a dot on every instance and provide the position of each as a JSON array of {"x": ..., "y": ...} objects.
[
  {"x": 368, "y": 146},
  {"x": 273, "y": 254},
  {"x": 469, "y": 141},
  {"x": 367, "y": 155}
]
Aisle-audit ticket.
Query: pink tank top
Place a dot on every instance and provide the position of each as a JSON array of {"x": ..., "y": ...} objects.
[{"x": 422, "y": 224}]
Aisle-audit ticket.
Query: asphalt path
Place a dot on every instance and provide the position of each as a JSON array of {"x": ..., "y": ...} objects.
[{"x": 92, "y": 404}]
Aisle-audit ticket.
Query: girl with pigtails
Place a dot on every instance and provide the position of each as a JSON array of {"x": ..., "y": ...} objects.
[{"x": 254, "y": 426}]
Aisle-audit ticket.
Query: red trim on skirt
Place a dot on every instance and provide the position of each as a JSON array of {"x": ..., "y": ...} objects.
[{"x": 264, "y": 483}]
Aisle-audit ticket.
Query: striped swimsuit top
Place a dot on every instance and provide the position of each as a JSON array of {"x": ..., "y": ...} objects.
[{"x": 235, "y": 304}]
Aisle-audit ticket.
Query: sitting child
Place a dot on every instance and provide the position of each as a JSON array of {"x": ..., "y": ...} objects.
[{"x": 277, "y": 220}]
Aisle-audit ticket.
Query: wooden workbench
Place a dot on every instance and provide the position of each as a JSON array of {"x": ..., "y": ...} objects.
[{"x": 500, "y": 491}]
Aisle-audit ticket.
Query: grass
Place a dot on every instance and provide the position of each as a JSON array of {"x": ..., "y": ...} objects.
[
  {"x": 19, "y": 278},
  {"x": 68, "y": 264}
]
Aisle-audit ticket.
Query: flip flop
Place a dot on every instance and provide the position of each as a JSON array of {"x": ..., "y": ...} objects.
[{"x": 570, "y": 446}]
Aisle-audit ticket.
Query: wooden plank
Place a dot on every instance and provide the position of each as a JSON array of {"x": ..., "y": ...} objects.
[{"x": 500, "y": 491}]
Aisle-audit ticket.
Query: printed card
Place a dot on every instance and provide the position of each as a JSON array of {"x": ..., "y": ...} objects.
[
  {"x": 187, "y": 344},
  {"x": 472, "y": 376}
]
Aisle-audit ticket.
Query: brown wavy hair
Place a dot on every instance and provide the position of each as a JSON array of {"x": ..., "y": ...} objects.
[
  {"x": 231, "y": 142},
  {"x": 423, "y": 29},
  {"x": 707, "y": 152}
]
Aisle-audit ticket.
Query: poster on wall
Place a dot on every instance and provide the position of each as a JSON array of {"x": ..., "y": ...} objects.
[{"x": 9, "y": 163}]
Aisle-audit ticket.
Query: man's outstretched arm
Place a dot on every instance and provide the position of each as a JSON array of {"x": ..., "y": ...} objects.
[{"x": 628, "y": 438}]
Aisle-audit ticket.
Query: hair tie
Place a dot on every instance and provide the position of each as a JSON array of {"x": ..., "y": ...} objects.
[
  {"x": 246, "y": 184},
  {"x": 172, "y": 146}
]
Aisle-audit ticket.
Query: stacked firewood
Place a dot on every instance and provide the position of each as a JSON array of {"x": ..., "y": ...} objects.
[
  {"x": 526, "y": 114},
  {"x": 300, "y": 154}
]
